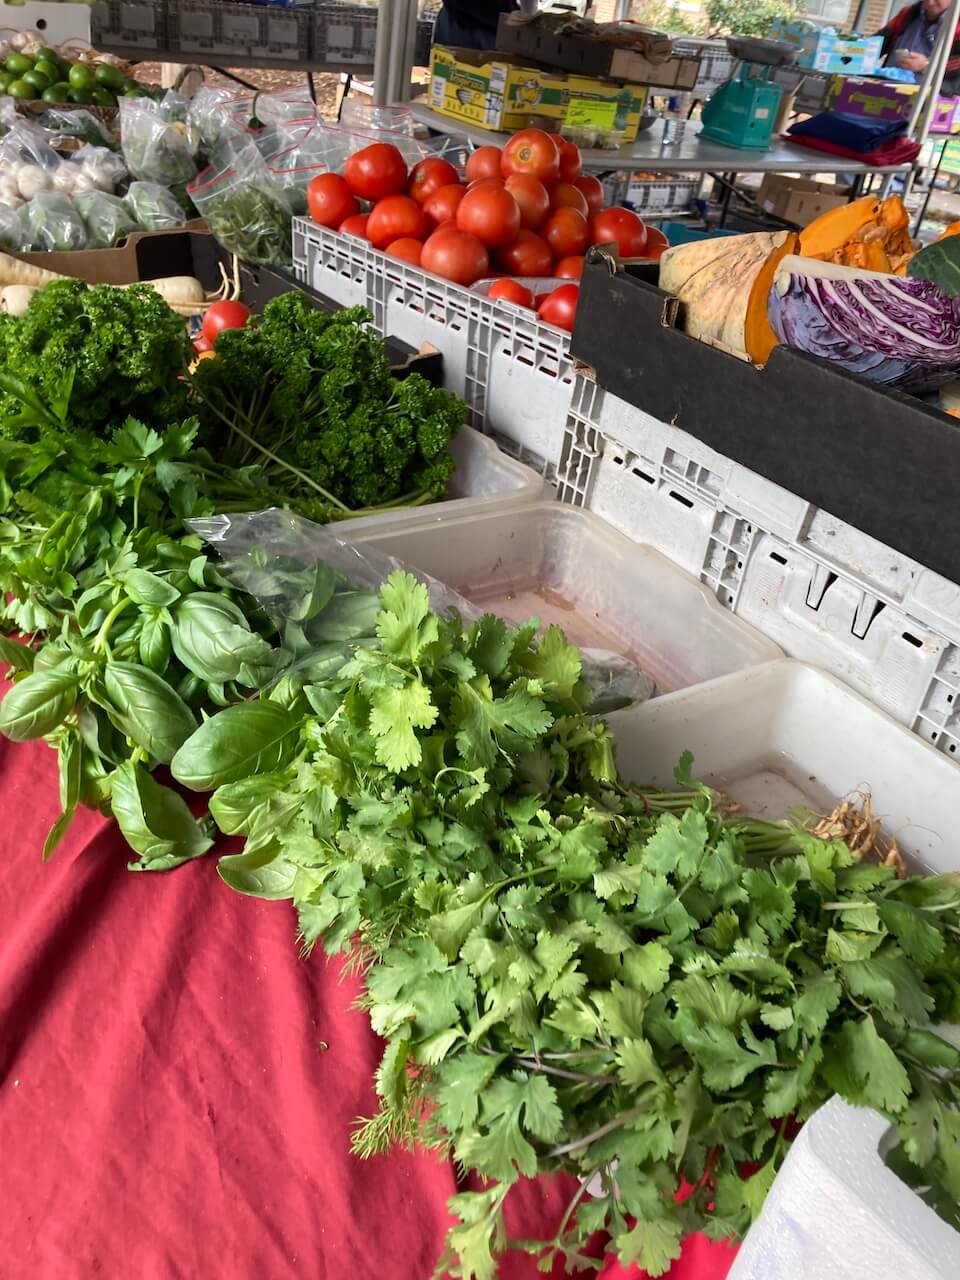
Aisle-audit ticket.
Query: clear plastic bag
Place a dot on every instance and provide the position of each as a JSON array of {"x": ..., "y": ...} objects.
[
  {"x": 157, "y": 145},
  {"x": 245, "y": 208},
  {"x": 79, "y": 124},
  {"x": 211, "y": 116},
  {"x": 106, "y": 218},
  {"x": 51, "y": 222},
  {"x": 11, "y": 229},
  {"x": 153, "y": 207},
  {"x": 90, "y": 169},
  {"x": 293, "y": 166},
  {"x": 285, "y": 563}
]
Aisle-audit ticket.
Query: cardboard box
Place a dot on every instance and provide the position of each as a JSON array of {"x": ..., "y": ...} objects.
[
  {"x": 119, "y": 265},
  {"x": 857, "y": 55},
  {"x": 496, "y": 91},
  {"x": 589, "y": 57},
  {"x": 874, "y": 99},
  {"x": 799, "y": 200}
]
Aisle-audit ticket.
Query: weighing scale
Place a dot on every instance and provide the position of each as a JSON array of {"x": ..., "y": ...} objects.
[{"x": 742, "y": 112}]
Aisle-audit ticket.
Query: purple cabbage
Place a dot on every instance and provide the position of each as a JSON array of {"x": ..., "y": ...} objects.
[{"x": 897, "y": 331}]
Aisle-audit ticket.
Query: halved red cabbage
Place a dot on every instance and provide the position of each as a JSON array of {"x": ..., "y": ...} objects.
[{"x": 901, "y": 332}]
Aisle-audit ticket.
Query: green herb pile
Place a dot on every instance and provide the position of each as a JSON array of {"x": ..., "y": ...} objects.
[
  {"x": 571, "y": 973},
  {"x": 308, "y": 396}
]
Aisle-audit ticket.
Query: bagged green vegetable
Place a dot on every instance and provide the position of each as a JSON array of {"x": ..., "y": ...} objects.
[
  {"x": 245, "y": 208},
  {"x": 106, "y": 218},
  {"x": 51, "y": 221},
  {"x": 11, "y": 229},
  {"x": 157, "y": 146},
  {"x": 79, "y": 124},
  {"x": 153, "y": 207}
]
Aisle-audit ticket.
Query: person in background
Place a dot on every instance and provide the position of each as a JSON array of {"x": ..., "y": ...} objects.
[
  {"x": 909, "y": 37},
  {"x": 470, "y": 24}
]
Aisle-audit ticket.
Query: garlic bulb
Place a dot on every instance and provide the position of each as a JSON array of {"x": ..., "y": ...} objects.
[{"x": 31, "y": 180}]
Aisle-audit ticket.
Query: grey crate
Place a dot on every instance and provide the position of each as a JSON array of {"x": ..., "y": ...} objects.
[
  {"x": 823, "y": 591},
  {"x": 248, "y": 32},
  {"x": 344, "y": 35},
  {"x": 514, "y": 372},
  {"x": 129, "y": 24},
  {"x": 662, "y": 195},
  {"x": 716, "y": 62}
]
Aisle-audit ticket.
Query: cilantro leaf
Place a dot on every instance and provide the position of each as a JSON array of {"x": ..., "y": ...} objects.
[{"x": 395, "y": 714}]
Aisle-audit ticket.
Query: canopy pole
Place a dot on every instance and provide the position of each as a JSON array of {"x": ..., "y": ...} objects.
[
  {"x": 381, "y": 54},
  {"x": 925, "y": 104}
]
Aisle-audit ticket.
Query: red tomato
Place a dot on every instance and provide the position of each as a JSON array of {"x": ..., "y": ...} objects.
[
  {"x": 529, "y": 255},
  {"x": 620, "y": 227},
  {"x": 511, "y": 291},
  {"x": 532, "y": 197},
  {"x": 592, "y": 190},
  {"x": 483, "y": 163},
  {"x": 569, "y": 159},
  {"x": 657, "y": 243},
  {"x": 430, "y": 175},
  {"x": 496, "y": 183},
  {"x": 394, "y": 217},
  {"x": 455, "y": 255},
  {"x": 330, "y": 200},
  {"x": 406, "y": 248},
  {"x": 567, "y": 232},
  {"x": 355, "y": 225},
  {"x": 569, "y": 268},
  {"x": 531, "y": 151},
  {"x": 560, "y": 307},
  {"x": 564, "y": 195},
  {"x": 224, "y": 315},
  {"x": 441, "y": 205},
  {"x": 201, "y": 344},
  {"x": 491, "y": 214},
  {"x": 376, "y": 171}
]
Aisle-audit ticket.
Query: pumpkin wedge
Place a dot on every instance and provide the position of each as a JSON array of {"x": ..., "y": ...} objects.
[
  {"x": 835, "y": 228},
  {"x": 759, "y": 338}
]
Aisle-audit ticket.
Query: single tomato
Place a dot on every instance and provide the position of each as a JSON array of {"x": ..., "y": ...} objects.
[
  {"x": 560, "y": 307},
  {"x": 441, "y": 206},
  {"x": 394, "y": 217},
  {"x": 567, "y": 232},
  {"x": 592, "y": 190},
  {"x": 529, "y": 255},
  {"x": 483, "y": 163},
  {"x": 407, "y": 248},
  {"x": 477, "y": 183},
  {"x": 657, "y": 243},
  {"x": 355, "y": 225},
  {"x": 201, "y": 343},
  {"x": 491, "y": 214},
  {"x": 565, "y": 195},
  {"x": 511, "y": 291},
  {"x": 532, "y": 197},
  {"x": 531, "y": 151},
  {"x": 569, "y": 268},
  {"x": 621, "y": 227},
  {"x": 430, "y": 175},
  {"x": 456, "y": 255},
  {"x": 569, "y": 159},
  {"x": 224, "y": 315},
  {"x": 330, "y": 200},
  {"x": 376, "y": 171}
]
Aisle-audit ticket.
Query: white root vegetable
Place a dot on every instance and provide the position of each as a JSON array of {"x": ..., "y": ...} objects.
[
  {"x": 82, "y": 182},
  {"x": 15, "y": 298},
  {"x": 63, "y": 178},
  {"x": 179, "y": 291},
  {"x": 13, "y": 271},
  {"x": 31, "y": 180}
]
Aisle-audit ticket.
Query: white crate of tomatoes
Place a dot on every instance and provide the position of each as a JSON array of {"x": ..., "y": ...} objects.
[{"x": 524, "y": 210}]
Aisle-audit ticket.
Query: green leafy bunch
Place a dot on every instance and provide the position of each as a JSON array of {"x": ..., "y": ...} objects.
[
  {"x": 308, "y": 395},
  {"x": 572, "y": 973},
  {"x": 126, "y": 348}
]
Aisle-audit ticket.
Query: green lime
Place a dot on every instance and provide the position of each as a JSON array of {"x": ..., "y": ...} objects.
[
  {"x": 18, "y": 63},
  {"x": 82, "y": 77},
  {"x": 37, "y": 79},
  {"x": 5, "y": 79},
  {"x": 82, "y": 97},
  {"x": 129, "y": 84},
  {"x": 135, "y": 92},
  {"x": 110, "y": 77},
  {"x": 57, "y": 93},
  {"x": 22, "y": 89},
  {"x": 104, "y": 98},
  {"x": 48, "y": 55}
]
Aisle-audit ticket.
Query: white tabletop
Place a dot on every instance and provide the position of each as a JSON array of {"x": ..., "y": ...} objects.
[{"x": 690, "y": 156}]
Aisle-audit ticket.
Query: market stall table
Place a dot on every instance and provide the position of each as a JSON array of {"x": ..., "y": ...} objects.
[{"x": 178, "y": 1085}]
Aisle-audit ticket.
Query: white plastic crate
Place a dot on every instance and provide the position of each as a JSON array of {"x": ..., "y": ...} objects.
[
  {"x": 57, "y": 23},
  {"x": 716, "y": 62},
  {"x": 345, "y": 35},
  {"x": 514, "y": 372},
  {"x": 485, "y": 479},
  {"x": 127, "y": 24},
  {"x": 567, "y": 566},
  {"x": 820, "y": 589},
  {"x": 662, "y": 195}
]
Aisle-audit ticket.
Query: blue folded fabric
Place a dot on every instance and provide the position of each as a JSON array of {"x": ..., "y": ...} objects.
[{"x": 856, "y": 133}]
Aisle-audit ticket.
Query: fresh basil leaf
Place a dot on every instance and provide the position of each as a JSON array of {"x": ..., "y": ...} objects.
[
  {"x": 234, "y": 804},
  {"x": 350, "y": 615},
  {"x": 17, "y": 655},
  {"x": 146, "y": 588},
  {"x": 211, "y": 638},
  {"x": 155, "y": 821},
  {"x": 37, "y": 704},
  {"x": 319, "y": 593},
  {"x": 238, "y": 742},
  {"x": 56, "y": 833},
  {"x": 149, "y": 711},
  {"x": 92, "y": 606},
  {"x": 154, "y": 642},
  {"x": 262, "y": 874},
  {"x": 69, "y": 755}
]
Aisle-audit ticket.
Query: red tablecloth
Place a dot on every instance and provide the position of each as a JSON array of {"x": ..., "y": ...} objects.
[{"x": 178, "y": 1087}]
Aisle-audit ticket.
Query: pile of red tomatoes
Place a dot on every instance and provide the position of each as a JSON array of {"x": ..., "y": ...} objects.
[{"x": 521, "y": 211}]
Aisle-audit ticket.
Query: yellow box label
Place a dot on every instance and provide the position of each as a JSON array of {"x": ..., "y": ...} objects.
[{"x": 587, "y": 113}]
